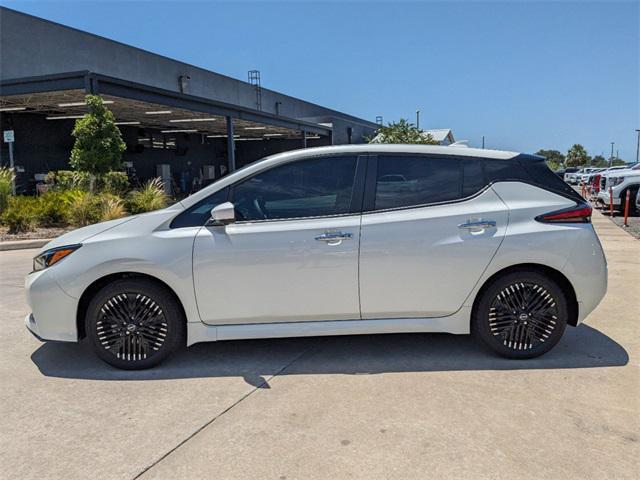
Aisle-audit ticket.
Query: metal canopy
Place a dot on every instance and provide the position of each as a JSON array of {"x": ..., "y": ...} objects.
[{"x": 61, "y": 96}]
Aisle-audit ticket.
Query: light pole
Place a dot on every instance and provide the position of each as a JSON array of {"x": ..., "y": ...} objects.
[
  {"x": 611, "y": 157},
  {"x": 418, "y": 119},
  {"x": 483, "y": 142},
  {"x": 638, "y": 146}
]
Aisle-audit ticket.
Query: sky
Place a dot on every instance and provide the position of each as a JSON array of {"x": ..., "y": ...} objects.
[{"x": 525, "y": 74}]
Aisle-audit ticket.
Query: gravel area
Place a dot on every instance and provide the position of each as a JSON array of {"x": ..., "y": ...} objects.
[{"x": 634, "y": 224}]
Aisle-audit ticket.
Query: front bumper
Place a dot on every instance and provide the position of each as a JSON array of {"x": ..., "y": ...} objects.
[
  {"x": 54, "y": 312},
  {"x": 603, "y": 196},
  {"x": 32, "y": 326}
]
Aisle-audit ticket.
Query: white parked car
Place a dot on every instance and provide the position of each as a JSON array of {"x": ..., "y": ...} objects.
[
  {"x": 620, "y": 181},
  {"x": 586, "y": 173},
  {"x": 355, "y": 239},
  {"x": 570, "y": 174}
]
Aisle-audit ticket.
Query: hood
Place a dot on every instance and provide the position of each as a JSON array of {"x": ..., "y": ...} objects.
[{"x": 81, "y": 234}]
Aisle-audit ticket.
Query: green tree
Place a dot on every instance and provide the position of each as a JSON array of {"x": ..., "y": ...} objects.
[
  {"x": 402, "y": 132},
  {"x": 554, "y": 158},
  {"x": 98, "y": 146},
  {"x": 599, "y": 161},
  {"x": 577, "y": 156},
  {"x": 617, "y": 161}
]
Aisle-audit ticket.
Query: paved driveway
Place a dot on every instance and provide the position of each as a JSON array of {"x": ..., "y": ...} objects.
[{"x": 387, "y": 406}]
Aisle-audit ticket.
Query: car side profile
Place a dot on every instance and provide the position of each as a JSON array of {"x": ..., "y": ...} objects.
[{"x": 357, "y": 239}]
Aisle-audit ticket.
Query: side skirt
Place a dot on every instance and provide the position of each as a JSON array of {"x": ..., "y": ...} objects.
[{"x": 458, "y": 323}]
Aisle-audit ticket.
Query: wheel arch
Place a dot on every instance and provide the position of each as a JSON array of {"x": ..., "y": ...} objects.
[
  {"x": 98, "y": 284},
  {"x": 554, "y": 274}
]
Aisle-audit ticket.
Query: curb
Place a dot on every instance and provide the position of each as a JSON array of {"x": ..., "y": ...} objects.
[{"x": 23, "y": 244}]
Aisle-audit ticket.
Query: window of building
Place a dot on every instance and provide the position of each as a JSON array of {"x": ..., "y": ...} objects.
[{"x": 158, "y": 140}]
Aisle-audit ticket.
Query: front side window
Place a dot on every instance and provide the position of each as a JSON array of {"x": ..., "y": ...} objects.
[
  {"x": 307, "y": 188},
  {"x": 198, "y": 214},
  {"x": 406, "y": 181}
]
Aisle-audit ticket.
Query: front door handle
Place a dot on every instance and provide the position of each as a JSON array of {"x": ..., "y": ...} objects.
[
  {"x": 478, "y": 225},
  {"x": 334, "y": 238}
]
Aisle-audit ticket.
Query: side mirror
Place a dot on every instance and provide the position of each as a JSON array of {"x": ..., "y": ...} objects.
[{"x": 223, "y": 214}]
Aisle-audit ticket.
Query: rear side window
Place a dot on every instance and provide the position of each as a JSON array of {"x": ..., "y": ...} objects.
[
  {"x": 472, "y": 177},
  {"x": 406, "y": 181},
  {"x": 198, "y": 214}
]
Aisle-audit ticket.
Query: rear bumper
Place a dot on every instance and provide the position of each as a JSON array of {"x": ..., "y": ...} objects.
[{"x": 588, "y": 272}]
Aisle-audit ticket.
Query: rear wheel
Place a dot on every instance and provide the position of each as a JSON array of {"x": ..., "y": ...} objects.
[
  {"x": 134, "y": 323},
  {"x": 522, "y": 314}
]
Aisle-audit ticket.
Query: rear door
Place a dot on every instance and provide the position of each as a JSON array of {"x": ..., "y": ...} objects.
[{"x": 429, "y": 230}]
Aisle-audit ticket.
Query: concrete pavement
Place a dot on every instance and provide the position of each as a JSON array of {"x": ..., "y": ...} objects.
[{"x": 387, "y": 406}]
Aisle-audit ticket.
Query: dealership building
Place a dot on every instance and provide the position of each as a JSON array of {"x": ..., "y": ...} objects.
[{"x": 177, "y": 120}]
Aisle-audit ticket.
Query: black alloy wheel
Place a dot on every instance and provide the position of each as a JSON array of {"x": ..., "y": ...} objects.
[
  {"x": 521, "y": 315},
  {"x": 134, "y": 323}
]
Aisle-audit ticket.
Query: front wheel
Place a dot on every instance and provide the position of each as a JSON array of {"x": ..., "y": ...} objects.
[
  {"x": 521, "y": 315},
  {"x": 134, "y": 323}
]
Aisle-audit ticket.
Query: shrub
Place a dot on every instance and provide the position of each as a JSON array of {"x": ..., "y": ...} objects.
[
  {"x": 85, "y": 209},
  {"x": 6, "y": 178},
  {"x": 149, "y": 197},
  {"x": 54, "y": 207},
  {"x": 21, "y": 214},
  {"x": 70, "y": 180},
  {"x": 112, "y": 207},
  {"x": 116, "y": 183}
]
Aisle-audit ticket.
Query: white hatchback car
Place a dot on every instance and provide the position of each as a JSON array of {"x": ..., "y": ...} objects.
[{"x": 355, "y": 239}]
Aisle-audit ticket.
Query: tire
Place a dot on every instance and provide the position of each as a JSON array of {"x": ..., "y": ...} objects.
[
  {"x": 134, "y": 323},
  {"x": 521, "y": 314}
]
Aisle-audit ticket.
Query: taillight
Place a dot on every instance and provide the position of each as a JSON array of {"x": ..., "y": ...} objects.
[{"x": 580, "y": 213}]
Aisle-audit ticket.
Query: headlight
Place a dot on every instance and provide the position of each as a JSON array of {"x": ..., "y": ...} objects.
[
  {"x": 616, "y": 181},
  {"x": 53, "y": 256}
]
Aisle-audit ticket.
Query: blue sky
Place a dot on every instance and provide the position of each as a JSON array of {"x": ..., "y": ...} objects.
[{"x": 527, "y": 75}]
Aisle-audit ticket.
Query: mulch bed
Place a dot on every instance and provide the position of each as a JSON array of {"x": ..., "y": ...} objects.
[{"x": 36, "y": 234}]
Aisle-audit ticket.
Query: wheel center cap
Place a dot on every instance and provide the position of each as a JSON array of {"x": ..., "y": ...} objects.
[
  {"x": 522, "y": 317},
  {"x": 131, "y": 327}
]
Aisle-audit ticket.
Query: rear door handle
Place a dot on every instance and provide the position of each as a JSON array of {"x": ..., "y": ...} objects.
[
  {"x": 334, "y": 238},
  {"x": 478, "y": 225}
]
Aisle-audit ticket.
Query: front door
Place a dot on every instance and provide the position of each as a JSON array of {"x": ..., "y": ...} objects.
[{"x": 292, "y": 254}]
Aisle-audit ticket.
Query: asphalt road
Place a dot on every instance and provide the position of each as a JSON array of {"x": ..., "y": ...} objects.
[{"x": 387, "y": 406}]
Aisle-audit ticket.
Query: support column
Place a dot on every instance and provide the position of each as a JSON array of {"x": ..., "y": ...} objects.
[
  {"x": 304, "y": 139},
  {"x": 231, "y": 146}
]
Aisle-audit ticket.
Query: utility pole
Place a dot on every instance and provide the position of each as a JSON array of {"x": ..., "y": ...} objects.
[
  {"x": 483, "y": 142},
  {"x": 418, "y": 119},
  {"x": 611, "y": 157},
  {"x": 638, "y": 146}
]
